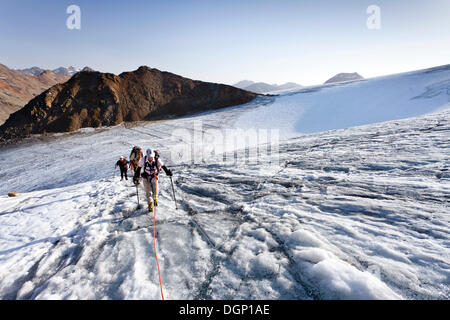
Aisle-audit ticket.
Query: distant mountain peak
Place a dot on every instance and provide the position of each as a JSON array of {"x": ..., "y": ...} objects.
[
  {"x": 262, "y": 87},
  {"x": 343, "y": 77},
  {"x": 35, "y": 71},
  {"x": 70, "y": 71},
  {"x": 242, "y": 84}
]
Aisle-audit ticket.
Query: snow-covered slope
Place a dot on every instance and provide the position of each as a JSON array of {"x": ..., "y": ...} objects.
[
  {"x": 358, "y": 213},
  {"x": 355, "y": 213},
  {"x": 339, "y": 106}
]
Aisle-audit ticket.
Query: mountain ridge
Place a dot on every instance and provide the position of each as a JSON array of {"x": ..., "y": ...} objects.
[
  {"x": 94, "y": 99},
  {"x": 35, "y": 71},
  {"x": 16, "y": 88},
  {"x": 263, "y": 87}
]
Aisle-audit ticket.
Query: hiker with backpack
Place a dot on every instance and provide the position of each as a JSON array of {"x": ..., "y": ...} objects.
[
  {"x": 135, "y": 156},
  {"x": 123, "y": 165},
  {"x": 151, "y": 165}
]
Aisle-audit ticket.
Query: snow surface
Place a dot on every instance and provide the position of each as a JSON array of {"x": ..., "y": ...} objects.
[
  {"x": 338, "y": 106},
  {"x": 357, "y": 213}
]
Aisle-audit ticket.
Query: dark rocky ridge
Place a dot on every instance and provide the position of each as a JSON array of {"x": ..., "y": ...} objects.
[{"x": 94, "y": 99}]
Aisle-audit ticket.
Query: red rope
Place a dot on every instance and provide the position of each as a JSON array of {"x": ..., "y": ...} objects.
[{"x": 154, "y": 246}]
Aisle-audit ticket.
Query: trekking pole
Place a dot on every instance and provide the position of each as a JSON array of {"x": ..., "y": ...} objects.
[
  {"x": 137, "y": 194},
  {"x": 173, "y": 191}
]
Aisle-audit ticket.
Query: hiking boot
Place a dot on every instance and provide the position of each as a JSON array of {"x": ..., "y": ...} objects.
[
  {"x": 121, "y": 179},
  {"x": 126, "y": 178},
  {"x": 150, "y": 207},
  {"x": 156, "y": 203}
]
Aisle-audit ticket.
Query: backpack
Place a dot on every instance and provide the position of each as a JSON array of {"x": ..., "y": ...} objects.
[
  {"x": 157, "y": 155},
  {"x": 136, "y": 153},
  {"x": 123, "y": 163}
]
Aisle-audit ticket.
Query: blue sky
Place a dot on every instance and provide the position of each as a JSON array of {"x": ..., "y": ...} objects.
[{"x": 274, "y": 41}]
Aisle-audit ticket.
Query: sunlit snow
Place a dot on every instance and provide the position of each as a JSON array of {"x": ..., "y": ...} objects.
[{"x": 356, "y": 213}]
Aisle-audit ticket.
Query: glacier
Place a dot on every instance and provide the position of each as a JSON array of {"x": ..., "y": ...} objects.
[{"x": 357, "y": 206}]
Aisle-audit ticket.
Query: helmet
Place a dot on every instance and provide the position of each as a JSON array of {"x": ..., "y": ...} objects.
[{"x": 150, "y": 153}]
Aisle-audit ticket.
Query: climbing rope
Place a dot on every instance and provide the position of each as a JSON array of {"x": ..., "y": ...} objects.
[{"x": 156, "y": 256}]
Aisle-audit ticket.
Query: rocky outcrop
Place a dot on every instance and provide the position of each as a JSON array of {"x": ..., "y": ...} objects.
[{"x": 94, "y": 99}]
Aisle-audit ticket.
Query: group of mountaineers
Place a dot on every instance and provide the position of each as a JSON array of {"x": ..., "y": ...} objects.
[{"x": 146, "y": 167}]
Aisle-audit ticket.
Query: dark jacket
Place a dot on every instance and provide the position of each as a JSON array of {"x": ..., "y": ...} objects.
[{"x": 123, "y": 164}]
